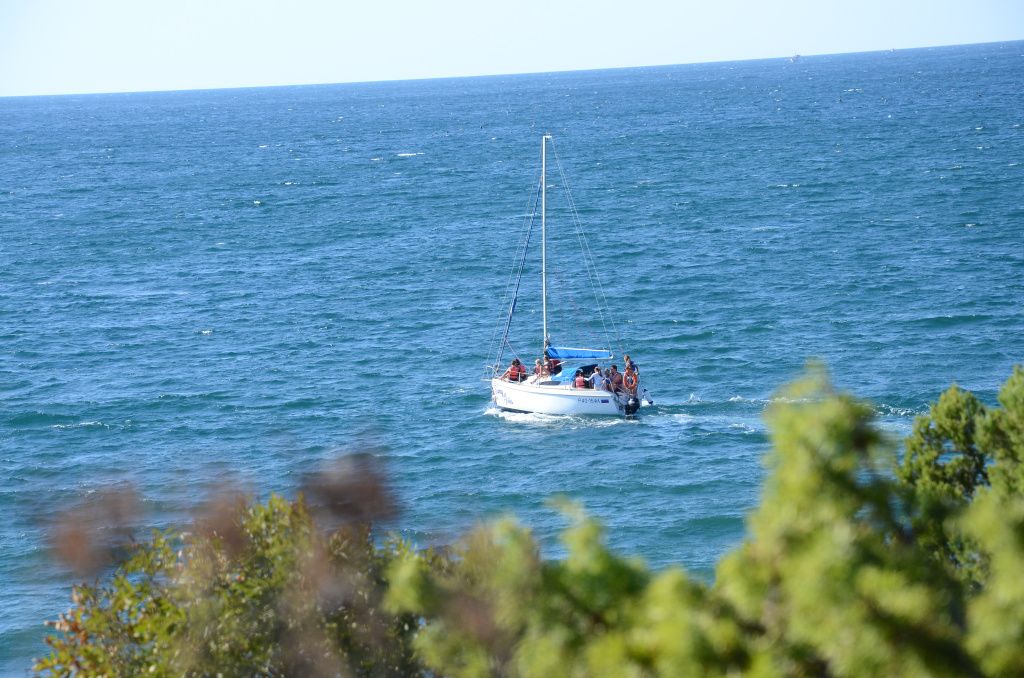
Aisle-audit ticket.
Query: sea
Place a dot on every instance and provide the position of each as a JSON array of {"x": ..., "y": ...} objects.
[{"x": 201, "y": 289}]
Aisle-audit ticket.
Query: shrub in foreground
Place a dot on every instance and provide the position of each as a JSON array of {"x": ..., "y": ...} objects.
[{"x": 852, "y": 566}]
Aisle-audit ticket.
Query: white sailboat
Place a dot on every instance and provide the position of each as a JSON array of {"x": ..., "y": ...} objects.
[{"x": 558, "y": 393}]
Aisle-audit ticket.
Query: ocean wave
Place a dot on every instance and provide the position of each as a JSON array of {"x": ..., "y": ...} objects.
[
  {"x": 894, "y": 411},
  {"x": 950, "y": 320},
  {"x": 81, "y": 424},
  {"x": 39, "y": 418}
]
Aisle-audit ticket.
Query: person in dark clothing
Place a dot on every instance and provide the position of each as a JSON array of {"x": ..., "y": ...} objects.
[{"x": 554, "y": 364}]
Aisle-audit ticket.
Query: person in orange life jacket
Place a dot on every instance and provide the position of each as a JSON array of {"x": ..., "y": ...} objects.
[
  {"x": 629, "y": 379},
  {"x": 580, "y": 381},
  {"x": 515, "y": 372}
]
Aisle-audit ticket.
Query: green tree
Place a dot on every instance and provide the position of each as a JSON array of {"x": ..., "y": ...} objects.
[
  {"x": 828, "y": 578},
  {"x": 995, "y": 523},
  {"x": 853, "y": 565},
  {"x": 265, "y": 594}
]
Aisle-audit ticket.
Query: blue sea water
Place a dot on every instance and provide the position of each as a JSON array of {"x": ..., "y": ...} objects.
[{"x": 198, "y": 287}]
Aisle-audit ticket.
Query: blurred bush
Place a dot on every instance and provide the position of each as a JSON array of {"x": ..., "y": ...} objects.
[{"x": 853, "y": 565}]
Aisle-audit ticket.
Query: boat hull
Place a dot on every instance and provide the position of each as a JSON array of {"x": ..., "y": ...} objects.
[{"x": 561, "y": 399}]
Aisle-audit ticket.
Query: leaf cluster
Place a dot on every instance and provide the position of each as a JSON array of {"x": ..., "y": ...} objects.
[
  {"x": 853, "y": 565},
  {"x": 265, "y": 594}
]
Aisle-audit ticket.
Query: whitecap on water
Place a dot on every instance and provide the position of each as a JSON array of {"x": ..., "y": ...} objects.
[
  {"x": 81, "y": 424},
  {"x": 407, "y": 155},
  {"x": 893, "y": 411}
]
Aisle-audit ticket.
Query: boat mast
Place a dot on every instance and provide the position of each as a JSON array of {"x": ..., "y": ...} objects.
[{"x": 544, "y": 236}]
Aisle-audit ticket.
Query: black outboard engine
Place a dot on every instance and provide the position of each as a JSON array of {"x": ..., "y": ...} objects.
[{"x": 632, "y": 405}]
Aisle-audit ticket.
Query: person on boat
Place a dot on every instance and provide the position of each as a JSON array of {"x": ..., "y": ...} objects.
[
  {"x": 579, "y": 381},
  {"x": 629, "y": 379},
  {"x": 539, "y": 369},
  {"x": 631, "y": 365},
  {"x": 515, "y": 372},
  {"x": 554, "y": 364},
  {"x": 596, "y": 378},
  {"x": 615, "y": 377}
]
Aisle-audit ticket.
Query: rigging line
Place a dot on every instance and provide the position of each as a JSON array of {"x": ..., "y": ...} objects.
[
  {"x": 521, "y": 250},
  {"x": 515, "y": 353},
  {"x": 505, "y": 299},
  {"x": 595, "y": 280},
  {"x": 583, "y": 321},
  {"x": 604, "y": 314},
  {"x": 578, "y": 314},
  {"x": 588, "y": 256},
  {"x": 523, "y": 242},
  {"x": 599, "y": 293},
  {"x": 515, "y": 295},
  {"x": 514, "y": 299}
]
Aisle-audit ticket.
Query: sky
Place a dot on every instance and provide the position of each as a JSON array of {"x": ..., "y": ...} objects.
[{"x": 69, "y": 46}]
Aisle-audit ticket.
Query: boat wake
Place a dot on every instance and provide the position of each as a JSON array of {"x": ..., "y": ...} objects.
[{"x": 538, "y": 419}]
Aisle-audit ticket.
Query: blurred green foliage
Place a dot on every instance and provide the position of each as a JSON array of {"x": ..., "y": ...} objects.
[
  {"x": 260, "y": 593},
  {"x": 854, "y": 564}
]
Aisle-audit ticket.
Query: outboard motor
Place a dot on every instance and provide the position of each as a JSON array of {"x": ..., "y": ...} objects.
[{"x": 632, "y": 405}]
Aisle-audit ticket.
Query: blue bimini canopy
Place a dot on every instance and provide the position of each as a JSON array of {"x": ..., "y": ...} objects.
[{"x": 565, "y": 353}]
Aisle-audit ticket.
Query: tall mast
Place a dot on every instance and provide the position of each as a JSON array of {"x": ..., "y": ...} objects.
[{"x": 544, "y": 235}]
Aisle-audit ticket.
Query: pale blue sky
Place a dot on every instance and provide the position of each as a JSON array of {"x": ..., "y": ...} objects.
[{"x": 65, "y": 46}]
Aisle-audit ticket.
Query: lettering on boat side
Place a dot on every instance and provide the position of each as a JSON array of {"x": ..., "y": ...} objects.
[
  {"x": 592, "y": 400},
  {"x": 502, "y": 398}
]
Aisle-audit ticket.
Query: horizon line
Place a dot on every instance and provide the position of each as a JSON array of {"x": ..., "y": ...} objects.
[{"x": 497, "y": 75}]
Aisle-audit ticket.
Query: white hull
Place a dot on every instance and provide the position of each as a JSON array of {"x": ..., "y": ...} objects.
[{"x": 527, "y": 396}]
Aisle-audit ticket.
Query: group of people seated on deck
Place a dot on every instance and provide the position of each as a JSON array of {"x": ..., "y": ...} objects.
[
  {"x": 547, "y": 368},
  {"x": 605, "y": 380}
]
